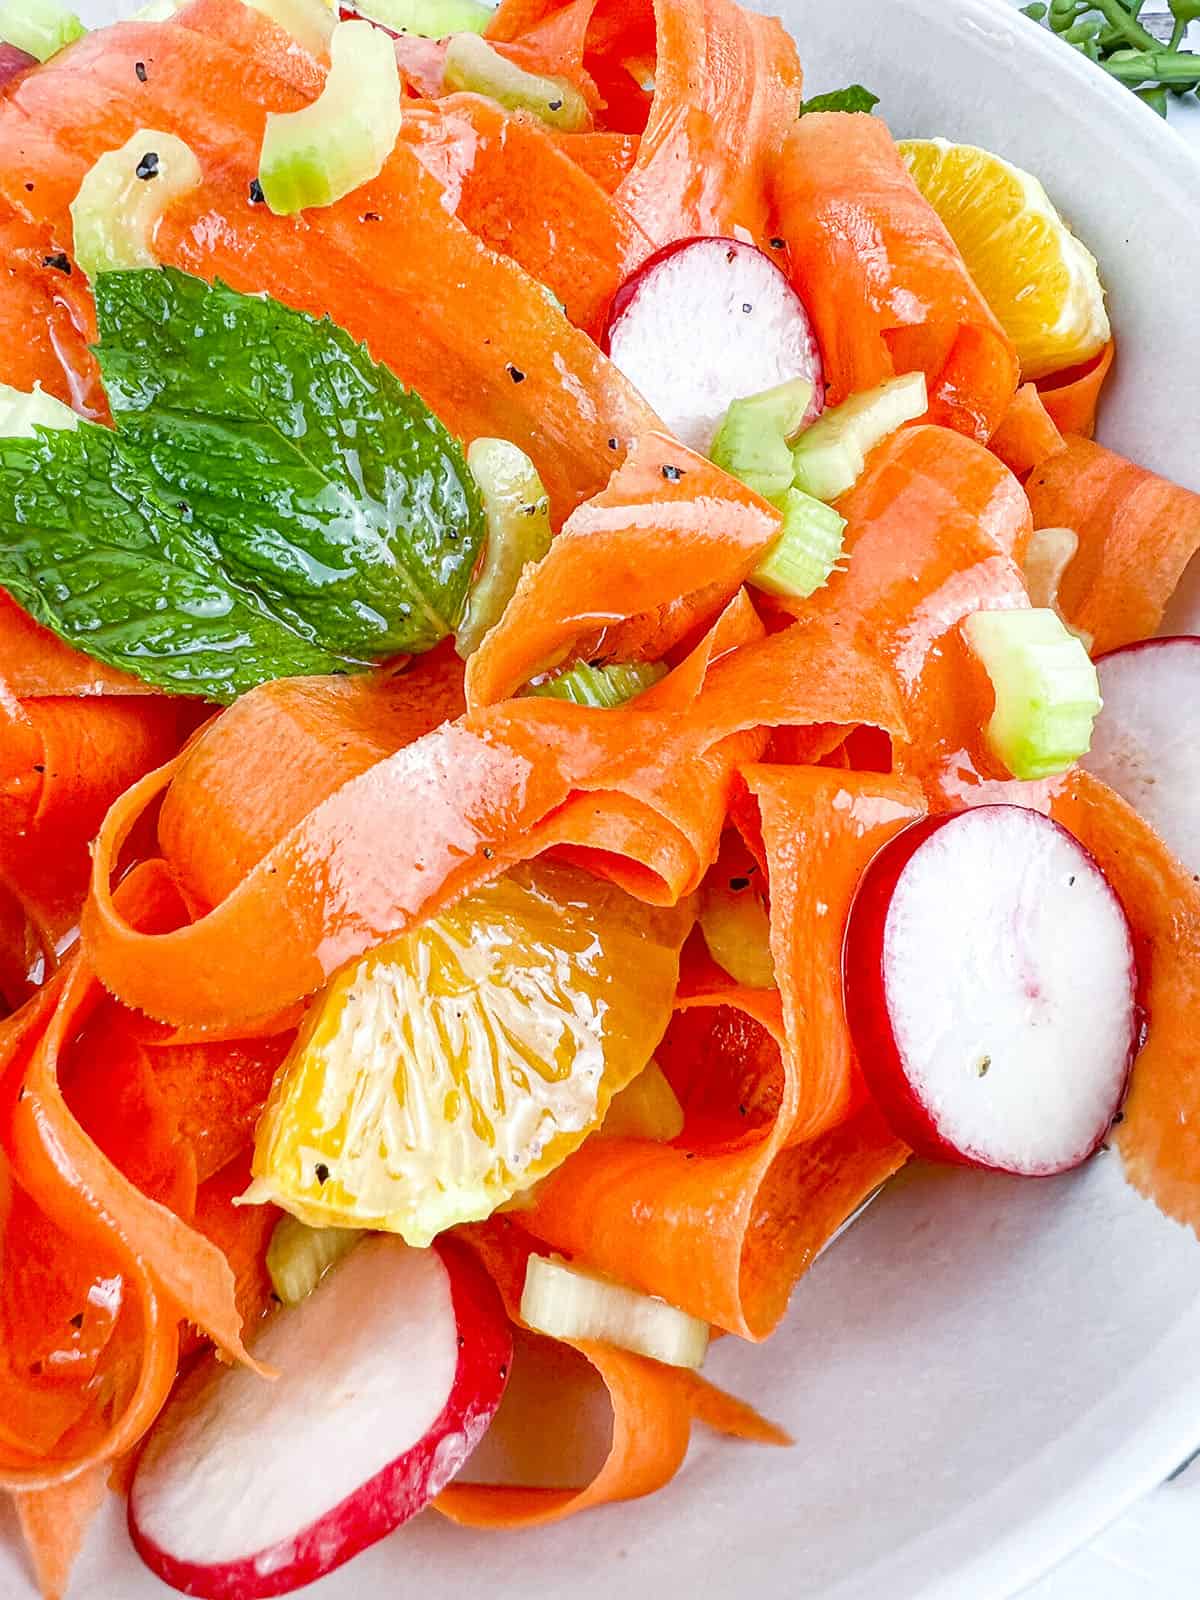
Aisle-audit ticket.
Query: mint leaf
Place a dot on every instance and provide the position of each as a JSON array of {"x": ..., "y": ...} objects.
[
  {"x": 90, "y": 555},
  {"x": 319, "y": 481},
  {"x": 855, "y": 98}
]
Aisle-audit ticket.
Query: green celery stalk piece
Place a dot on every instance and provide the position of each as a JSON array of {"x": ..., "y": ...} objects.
[
  {"x": 431, "y": 19},
  {"x": 298, "y": 1256},
  {"x": 39, "y": 27},
  {"x": 803, "y": 557},
  {"x": 752, "y": 442},
  {"x": 123, "y": 197},
  {"x": 517, "y": 509},
  {"x": 326, "y": 150},
  {"x": 474, "y": 67},
  {"x": 1046, "y": 687},
  {"x": 830, "y": 456},
  {"x": 603, "y": 688}
]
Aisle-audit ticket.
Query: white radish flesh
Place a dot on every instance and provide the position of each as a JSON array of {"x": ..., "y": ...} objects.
[
  {"x": 991, "y": 985},
  {"x": 1146, "y": 743},
  {"x": 705, "y": 322}
]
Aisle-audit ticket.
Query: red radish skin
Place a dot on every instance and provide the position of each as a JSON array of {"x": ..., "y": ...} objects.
[
  {"x": 704, "y": 321},
  {"x": 1146, "y": 744},
  {"x": 13, "y": 63},
  {"x": 870, "y": 1006},
  {"x": 376, "y": 1507}
]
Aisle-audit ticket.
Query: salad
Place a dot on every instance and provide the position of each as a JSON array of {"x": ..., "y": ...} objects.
[{"x": 575, "y": 691}]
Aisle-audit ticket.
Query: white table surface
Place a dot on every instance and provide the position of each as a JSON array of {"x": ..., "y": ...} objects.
[{"x": 1152, "y": 1553}]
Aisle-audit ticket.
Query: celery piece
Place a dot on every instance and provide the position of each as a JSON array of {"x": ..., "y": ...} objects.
[
  {"x": 603, "y": 688},
  {"x": 122, "y": 199},
  {"x": 518, "y": 531},
  {"x": 316, "y": 156},
  {"x": 829, "y": 457},
  {"x": 752, "y": 441},
  {"x": 39, "y": 27},
  {"x": 647, "y": 1108},
  {"x": 432, "y": 19},
  {"x": 310, "y": 22},
  {"x": 298, "y": 1256},
  {"x": 566, "y": 1303},
  {"x": 1047, "y": 690},
  {"x": 21, "y": 413},
  {"x": 807, "y": 550},
  {"x": 473, "y": 66},
  {"x": 737, "y": 931}
]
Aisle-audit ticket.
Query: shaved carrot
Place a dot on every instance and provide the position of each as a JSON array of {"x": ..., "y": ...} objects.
[
  {"x": 1137, "y": 533},
  {"x": 35, "y": 662},
  {"x": 723, "y": 1222},
  {"x": 653, "y": 1410},
  {"x": 1027, "y": 435},
  {"x": 54, "y": 1523},
  {"x": 727, "y": 85},
  {"x": 1159, "y": 1136},
  {"x": 666, "y": 516},
  {"x": 1071, "y": 398},
  {"x": 608, "y": 158},
  {"x": 907, "y": 303},
  {"x": 518, "y": 190}
]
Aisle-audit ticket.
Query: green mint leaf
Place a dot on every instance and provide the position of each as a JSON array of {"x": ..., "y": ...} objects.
[
  {"x": 85, "y": 550},
  {"x": 855, "y": 98},
  {"x": 321, "y": 482}
]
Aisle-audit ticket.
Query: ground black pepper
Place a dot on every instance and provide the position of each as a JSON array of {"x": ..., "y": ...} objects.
[
  {"x": 776, "y": 244},
  {"x": 256, "y": 192},
  {"x": 514, "y": 373},
  {"x": 738, "y": 884},
  {"x": 147, "y": 167},
  {"x": 140, "y": 68},
  {"x": 672, "y": 474},
  {"x": 60, "y": 263},
  {"x": 322, "y": 1172}
]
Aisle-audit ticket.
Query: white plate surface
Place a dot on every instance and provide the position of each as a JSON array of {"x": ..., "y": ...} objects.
[{"x": 983, "y": 1372}]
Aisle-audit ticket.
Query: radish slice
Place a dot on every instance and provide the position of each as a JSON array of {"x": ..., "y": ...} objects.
[
  {"x": 390, "y": 1373},
  {"x": 14, "y": 62},
  {"x": 704, "y": 322},
  {"x": 991, "y": 989},
  {"x": 1145, "y": 745}
]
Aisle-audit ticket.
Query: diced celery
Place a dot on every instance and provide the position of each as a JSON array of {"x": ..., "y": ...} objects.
[
  {"x": 21, "y": 413},
  {"x": 806, "y": 552},
  {"x": 298, "y": 1256},
  {"x": 1049, "y": 553},
  {"x": 122, "y": 199},
  {"x": 315, "y": 156},
  {"x": 752, "y": 441},
  {"x": 432, "y": 19},
  {"x": 737, "y": 931},
  {"x": 647, "y": 1108},
  {"x": 1047, "y": 690},
  {"x": 518, "y": 531},
  {"x": 310, "y": 22},
  {"x": 39, "y": 27},
  {"x": 829, "y": 457},
  {"x": 603, "y": 688},
  {"x": 566, "y": 1303},
  {"x": 472, "y": 65}
]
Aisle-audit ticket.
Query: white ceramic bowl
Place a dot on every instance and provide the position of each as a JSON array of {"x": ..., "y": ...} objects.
[{"x": 983, "y": 1372}]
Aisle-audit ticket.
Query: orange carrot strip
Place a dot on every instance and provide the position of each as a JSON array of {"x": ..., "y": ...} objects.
[
  {"x": 518, "y": 190},
  {"x": 35, "y": 662},
  {"x": 882, "y": 279},
  {"x": 1071, "y": 398},
  {"x": 608, "y": 158},
  {"x": 653, "y": 1410},
  {"x": 665, "y": 517},
  {"x": 1027, "y": 435},
  {"x": 727, "y": 83},
  {"x": 1137, "y": 533},
  {"x": 1159, "y": 1138},
  {"x": 720, "y": 1223},
  {"x": 936, "y": 529},
  {"x": 54, "y": 1523}
]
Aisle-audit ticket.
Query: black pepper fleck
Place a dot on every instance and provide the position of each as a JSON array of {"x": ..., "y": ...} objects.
[
  {"x": 140, "y": 68},
  {"x": 776, "y": 244},
  {"x": 29, "y": 188},
  {"x": 741, "y": 1111},
  {"x": 372, "y": 216},
  {"x": 1119, "y": 1118},
  {"x": 738, "y": 884},
  {"x": 731, "y": 255},
  {"x": 256, "y": 192},
  {"x": 488, "y": 853},
  {"x": 60, "y": 263},
  {"x": 1071, "y": 881},
  {"x": 555, "y": 105},
  {"x": 747, "y": 308},
  {"x": 612, "y": 444},
  {"x": 322, "y": 1172},
  {"x": 147, "y": 167},
  {"x": 672, "y": 474},
  {"x": 39, "y": 766},
  {"x": 77, "y": 1320},
  {"x": 514, "y": 373}
]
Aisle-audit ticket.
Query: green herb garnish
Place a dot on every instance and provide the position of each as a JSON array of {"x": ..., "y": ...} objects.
[
  {"x": 1115, "y": 35},
  {"x": 272, "y": 501},
  {"x": 855, "y": 98}
]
